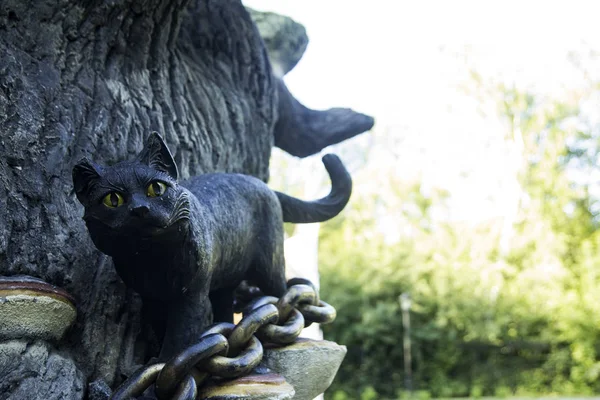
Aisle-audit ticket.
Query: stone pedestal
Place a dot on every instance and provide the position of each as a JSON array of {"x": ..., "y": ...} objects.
[
  {"x": 308, "y": 365},
  {"x": 301, "y": 371},
  {"x": 254, "y": 387}
]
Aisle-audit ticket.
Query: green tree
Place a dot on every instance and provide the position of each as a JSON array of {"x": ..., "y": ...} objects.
[{"x": 502, "y": 306}]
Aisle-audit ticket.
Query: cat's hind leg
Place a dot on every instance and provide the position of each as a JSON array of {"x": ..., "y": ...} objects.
[
  {"x": 222, "y": 304},
  {"x": 268, "y": 269}
]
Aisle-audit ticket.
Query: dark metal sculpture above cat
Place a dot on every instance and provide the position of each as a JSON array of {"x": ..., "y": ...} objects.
[{"x": 184, "y": 246}]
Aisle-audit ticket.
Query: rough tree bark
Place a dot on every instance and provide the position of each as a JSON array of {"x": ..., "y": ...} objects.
[{"x": 93, "y": 78}]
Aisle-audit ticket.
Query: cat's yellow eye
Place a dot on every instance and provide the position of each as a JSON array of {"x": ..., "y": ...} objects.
[
  {"x": 156, "y": 189},
  {"x": 113, "y": 200}
]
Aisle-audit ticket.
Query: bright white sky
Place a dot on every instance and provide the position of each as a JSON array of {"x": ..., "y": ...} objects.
[{"x": 404, "y": 63}]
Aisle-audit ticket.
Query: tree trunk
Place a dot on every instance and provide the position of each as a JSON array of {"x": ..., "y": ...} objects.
[{"x": 93, "y": 78}]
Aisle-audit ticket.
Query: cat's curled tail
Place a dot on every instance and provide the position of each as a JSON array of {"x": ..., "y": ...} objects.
[{"x": 300, "y": 211}]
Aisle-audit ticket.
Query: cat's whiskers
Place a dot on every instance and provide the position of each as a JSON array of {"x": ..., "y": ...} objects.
[{"x": 182, "y": 208}]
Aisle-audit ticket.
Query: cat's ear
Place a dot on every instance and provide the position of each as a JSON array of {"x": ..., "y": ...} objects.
[
  {"x": 85, "y": 175},
  {"x": 157, "y": 155}
]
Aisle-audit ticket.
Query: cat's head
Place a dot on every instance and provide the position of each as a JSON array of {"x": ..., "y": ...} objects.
[{"x": 139, "y": 197}]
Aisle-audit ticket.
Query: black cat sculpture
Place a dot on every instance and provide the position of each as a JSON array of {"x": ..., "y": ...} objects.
[{"x": 186, "y": 246}]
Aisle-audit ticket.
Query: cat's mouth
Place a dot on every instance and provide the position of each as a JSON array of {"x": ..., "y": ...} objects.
[
  {"x": 155, "y": 231},
  {"x": 143, "y": 229}
]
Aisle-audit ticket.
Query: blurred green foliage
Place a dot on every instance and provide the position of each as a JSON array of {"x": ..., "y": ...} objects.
[{"x": 501, "y": 307}]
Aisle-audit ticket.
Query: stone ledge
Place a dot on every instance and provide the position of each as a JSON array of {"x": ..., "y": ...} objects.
[{"x": 308, "y": 365}]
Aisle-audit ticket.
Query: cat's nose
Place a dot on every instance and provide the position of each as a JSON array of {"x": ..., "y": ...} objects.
[{"x": 140, "y": 211}]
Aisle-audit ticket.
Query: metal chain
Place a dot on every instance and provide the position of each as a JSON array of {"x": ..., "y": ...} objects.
[{"x": 229, "y": 351}]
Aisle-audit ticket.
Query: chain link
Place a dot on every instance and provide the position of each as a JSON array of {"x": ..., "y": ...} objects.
[
  {"x": 229, "y": 351},
  {"x": 294, "y": 296},
  {"x": 178, "y": 368},
  {"x": 322, "y": 313},
  {"x": 284, "y": 332},
  {"x": 187, "y": 390},
  {"x": 232, "y": 367},
  {"x": 138, "y": 382},
  {"x": 247, "y": 327}
]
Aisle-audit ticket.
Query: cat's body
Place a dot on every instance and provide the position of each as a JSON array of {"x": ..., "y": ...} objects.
[
  {"x": 179, "y": 245},
  {"x": 218, "y": 235}
]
